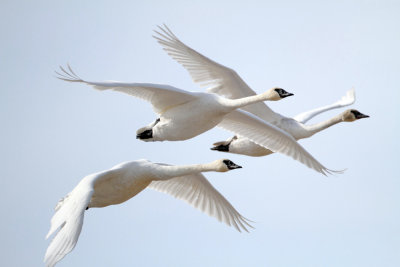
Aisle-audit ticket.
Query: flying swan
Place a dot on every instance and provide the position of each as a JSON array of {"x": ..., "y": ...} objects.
[
  {"x": 185, "y": 114},
  {"x": 226, "y": 82},
  {"x": 294, "y": 126},
  {"x": 124, "y": 181}
]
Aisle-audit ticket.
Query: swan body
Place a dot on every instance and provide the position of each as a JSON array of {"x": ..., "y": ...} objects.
[
  {"x": 184, "y": 115},
  {"x": 226, "y": 82},
  {"x": 175, "y": 124},
  {"x": 124, "y": 181}
]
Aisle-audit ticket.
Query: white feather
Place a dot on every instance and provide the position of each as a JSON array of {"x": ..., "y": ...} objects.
[
  {"x": 226, "y": 82},
  {"x": 184, "y": 115},
  {"x": 123, "y": 182}
]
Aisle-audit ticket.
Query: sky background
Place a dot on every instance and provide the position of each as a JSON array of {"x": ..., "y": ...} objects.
[{"x": 54, "y": 133}]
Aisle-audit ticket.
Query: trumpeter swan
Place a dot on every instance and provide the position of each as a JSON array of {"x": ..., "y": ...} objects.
[
  {"x": 127, "y": 179},
  {"x": 226, "y": 82},
  {"x": 242, "y": 145},
  {"x": 184, "y": 115}
]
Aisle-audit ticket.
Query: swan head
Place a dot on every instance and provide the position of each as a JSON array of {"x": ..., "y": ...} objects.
[
  {"x": 224, "y": 165},
  {"x": 275, "y": 94},
  {"x": 352, "y": 115}
]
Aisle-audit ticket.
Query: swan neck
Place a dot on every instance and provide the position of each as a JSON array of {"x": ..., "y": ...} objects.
[
  {"x": 176, "y": 171},
  {"x": 317, "y": 127},
  {"x": 241, "y": 102}
]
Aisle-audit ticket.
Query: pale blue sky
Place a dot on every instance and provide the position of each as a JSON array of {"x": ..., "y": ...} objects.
[{"x": 54, "y": 133}]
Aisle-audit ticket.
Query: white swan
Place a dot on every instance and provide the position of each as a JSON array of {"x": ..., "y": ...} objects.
[
  {"x": 295, "y": 127},
  {"x": 242, "y": 145},
  {"x": 184, "y": 115},
  {"x": 227, "y": 82},
  {"x": 127, "y": 179}
]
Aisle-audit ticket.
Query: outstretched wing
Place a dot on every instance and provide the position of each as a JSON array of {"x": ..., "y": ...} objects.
[
  {"x": 270, "y": 137},
  {"x": 346, "y": 100},
  {"x": 68, "y": 219},
  {"x": 196, "y": 190},
  {"x": 162, "y": 97},
  {"x": 208, "y": 73}
]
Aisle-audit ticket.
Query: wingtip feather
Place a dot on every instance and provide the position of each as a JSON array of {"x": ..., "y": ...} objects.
[{"x": 68, "y": 75}]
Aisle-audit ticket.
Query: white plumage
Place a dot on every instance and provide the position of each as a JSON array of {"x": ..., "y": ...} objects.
[
  {"x": 226, "y": 82},
  {"x": 127, "y": 179},
  {"x": 184, "y": 115}
]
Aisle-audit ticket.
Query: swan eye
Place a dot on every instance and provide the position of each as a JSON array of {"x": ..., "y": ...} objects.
[{"x": 228, "y": 162}]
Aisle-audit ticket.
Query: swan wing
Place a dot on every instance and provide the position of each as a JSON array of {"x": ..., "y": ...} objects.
[
  {"x": 68, "y": 220},
  {"x": 270, "y": 137},
  {"x": 196, "y": 190},
  {"x": 162, "y": 97},
  {"x": 346, "y": 100},
  {"x": 208, "y": 73}
]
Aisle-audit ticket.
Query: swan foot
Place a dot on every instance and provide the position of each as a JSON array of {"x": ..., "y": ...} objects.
[
  {"x": 147, "y": 134},
  {"x": 224, "y": 145},
  {"x": 224, "y": 148}
]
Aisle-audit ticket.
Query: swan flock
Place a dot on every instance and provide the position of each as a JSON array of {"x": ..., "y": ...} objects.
[{"x": 229, "y": 103}]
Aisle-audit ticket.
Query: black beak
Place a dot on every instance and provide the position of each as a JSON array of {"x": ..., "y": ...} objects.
[
  {"x": 230, "y": 165},
  {"x": 234, "y": 166},
  {"x": 286, "y": 95},
  {"x": 361, "y": 116},
  {"x": 282, "y": 93},
  {"x": 358, "y": 115}
]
